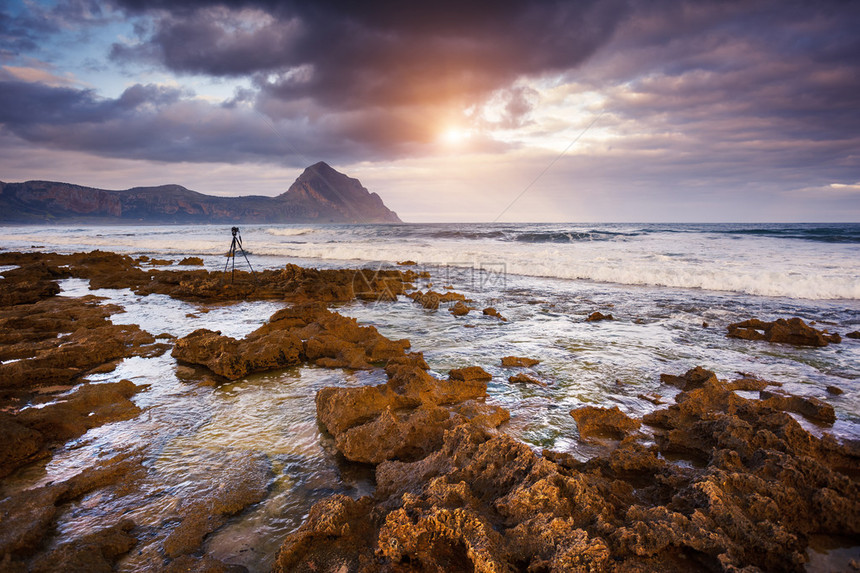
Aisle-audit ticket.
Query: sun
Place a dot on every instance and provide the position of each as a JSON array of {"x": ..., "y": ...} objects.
[{"x": 455, "y": 135}]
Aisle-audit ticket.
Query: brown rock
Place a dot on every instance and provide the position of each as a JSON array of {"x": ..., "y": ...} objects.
[
  {"x": 28, "y": 516},
  {"x": 490, "y": 311},
  {"x": 603, "y": 422},
  {"x": 523, "y": 378},
  {"x": 460, "y": 309},
  {"x": 855, "y": 335},
  {"x": 330, "y": 340},
  {"x": 89, "y": 406},
  {"x": 486, "y": 502},
  {"x": 97, "y": 551},
  {"x": 192, "y": 261},
  {"x": 54, "y": 341},
  {"x": 404, "y": 418},
  {"x": 519, "y": 361},
  {"x": 20, "y": 444},
  {"x": 408, "y": 263},
  {"x": 792, "y": 331},
  {"x": 694, "y": 378},
  {"x": 470, "y": 374},
  {"x": 810, "y": 408},
  {"x": 598, "y": 316},
  {"x": 835, "y": 390}
]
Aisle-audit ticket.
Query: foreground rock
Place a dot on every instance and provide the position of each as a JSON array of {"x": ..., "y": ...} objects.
[
  {"x": 29, "y": 519},
  {"x": 29, "y": 433},
  {"x": 594, "y": 421},
  {"x": 760, "y": 487},
  {"x": 55, "y": 341},
  {"x": 302, "y": 333},
  {"x": 405, "y": 418},
  {"x": 792, "y": 331}
]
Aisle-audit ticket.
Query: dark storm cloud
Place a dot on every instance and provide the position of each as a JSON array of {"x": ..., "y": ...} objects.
[
  {"x": 688, "y": 84},
  {"x": 377, "y": 53},
  {"x": 167, "y": 124}
]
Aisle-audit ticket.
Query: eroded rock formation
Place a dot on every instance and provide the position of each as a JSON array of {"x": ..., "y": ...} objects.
[
  {"x": 792, "y": 331},
  {"x": 759, "y": 487}
]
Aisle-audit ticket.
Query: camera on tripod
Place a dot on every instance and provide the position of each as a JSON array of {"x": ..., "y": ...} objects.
[{"x": 235, "y": 245}]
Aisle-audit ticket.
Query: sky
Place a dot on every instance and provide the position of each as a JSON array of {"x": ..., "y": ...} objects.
[{"x": 503, "y": 110}]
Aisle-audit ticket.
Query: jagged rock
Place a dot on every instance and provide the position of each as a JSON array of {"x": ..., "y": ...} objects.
[
  {"x": 598, "y": 316},
  {"x": 594, "y": 421},
  {"x": 470, "y": 374},
  {"x": 485, "y": 502},
  {"x": 32, "y": 430},
  {"x": 234, "y": 359},
  {"x": 29, "y": 515},
  {"x": 192, "y": 261},
  {"x": 855, "y": 335},
  {"x": 409, "y": 263},
  {"x": 307, "y": 332},
  {"x": 431, "y": 299},
  {"x": 523, "y": 378},
  {"x": 519, "y": 361},
  {"x": 460, "y": 309},
  {"x": 404, "y": 418},
  {"x": 490, "y": 311},
  {"x": 835, "y": 390},
  {"x": 808, "y": 407},
  {"x": 694, "y": 378},
  {"x": 96, "y": 551},
  {"x": 792, "y": 331},
  {"x": 56, "y": 340}
]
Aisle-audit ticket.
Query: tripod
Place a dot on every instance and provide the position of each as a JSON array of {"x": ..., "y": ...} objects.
[{"x": 231, "y": 254}]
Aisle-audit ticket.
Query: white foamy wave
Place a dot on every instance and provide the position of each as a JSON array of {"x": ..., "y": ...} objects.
[
  {"x": 793, "y": 277},
  {"x": 290, "y": 232}
]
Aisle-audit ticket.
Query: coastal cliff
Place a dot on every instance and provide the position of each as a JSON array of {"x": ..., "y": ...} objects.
[{"x": 319, "y": 195}]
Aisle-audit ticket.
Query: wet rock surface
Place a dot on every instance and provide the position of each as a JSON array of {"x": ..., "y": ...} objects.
[
  {"x": 759, "y": 488},
  {"x": 523, "y": 378},
  {"x": 594, "y": 421},
  {"x": 302, "y": 333},
  {"x": 28, "y": 519},
  {"x": 406, "y": 417},
  {"x": 519, "y": 362},
  {"x": 56, "y": 340},
  {"x": 597, "y": 316},
  {"x": 792, "y": 331}
]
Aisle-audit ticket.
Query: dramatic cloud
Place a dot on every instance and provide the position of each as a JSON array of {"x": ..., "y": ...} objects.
[{"x": 620, "y": 97}]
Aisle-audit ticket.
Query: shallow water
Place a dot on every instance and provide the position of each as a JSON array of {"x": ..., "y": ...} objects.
[{"x": 191, "y": 432}]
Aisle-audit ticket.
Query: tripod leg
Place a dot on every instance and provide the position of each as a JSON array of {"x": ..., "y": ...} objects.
[
  {"x": 231, "y": 254},
  {"x": 244, "y": 254}
]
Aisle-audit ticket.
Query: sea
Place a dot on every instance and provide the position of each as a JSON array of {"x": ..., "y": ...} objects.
[{"x": 671, "y": 288}]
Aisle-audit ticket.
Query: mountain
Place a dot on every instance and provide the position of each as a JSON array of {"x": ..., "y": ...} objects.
[{"x": 319, "y": 195}]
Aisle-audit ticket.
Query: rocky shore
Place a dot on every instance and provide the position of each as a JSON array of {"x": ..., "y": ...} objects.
[{"x": 726, "y": 478}]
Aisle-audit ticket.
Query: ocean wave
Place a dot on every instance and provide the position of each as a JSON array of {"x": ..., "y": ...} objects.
[
  {"x": 806, "y": 277},
  {"x": 839, "y": 234},
  {"x": 290, "y": 232},
  {"x": 570, "y": 236}
]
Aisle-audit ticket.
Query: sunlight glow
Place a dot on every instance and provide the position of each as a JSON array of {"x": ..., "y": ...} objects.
[{"x": 455, "y": 135}]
